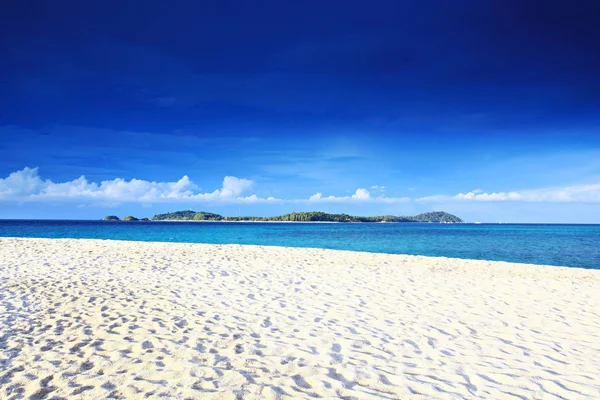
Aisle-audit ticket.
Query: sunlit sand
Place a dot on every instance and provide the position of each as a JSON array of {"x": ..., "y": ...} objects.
[{"x": 99, "y": 319}]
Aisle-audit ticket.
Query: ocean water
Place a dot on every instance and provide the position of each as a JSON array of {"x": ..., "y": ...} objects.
[{"x": 562, "y": 245}]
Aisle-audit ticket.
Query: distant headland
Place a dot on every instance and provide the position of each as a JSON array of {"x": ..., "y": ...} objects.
[{"x": 312, "y": 216}]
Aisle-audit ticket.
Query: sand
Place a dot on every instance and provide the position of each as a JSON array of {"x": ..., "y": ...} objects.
[{"x": 96, "y": 319}]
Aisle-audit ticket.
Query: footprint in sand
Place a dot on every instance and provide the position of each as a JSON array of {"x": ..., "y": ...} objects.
[
  {"x": 82, "y": 389},
  {"x": 86, "y": 366},
  {"x": 146, "y": 345},
  {"x": 266, "y": 323},
  {"x": 301, "y": 382},
  {"x": 336, "y": 357},
  {"x": 78, "y": 346}
]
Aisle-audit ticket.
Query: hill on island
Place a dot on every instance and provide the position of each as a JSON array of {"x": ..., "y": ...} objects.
[
  {"x": 312, "y": 216},
  {"x": 188, "y": 216}
]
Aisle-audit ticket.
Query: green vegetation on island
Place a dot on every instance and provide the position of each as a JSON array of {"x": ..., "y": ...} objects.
[
  {"x": 437, "y": 216},
  {"x": 312, "y": 216},
  {"x": 188, "y": 216},
  {"x": 128, "y": 218}
]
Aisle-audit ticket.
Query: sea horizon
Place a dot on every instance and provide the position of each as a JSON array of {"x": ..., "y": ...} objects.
[{"x": 301, "y": 222}]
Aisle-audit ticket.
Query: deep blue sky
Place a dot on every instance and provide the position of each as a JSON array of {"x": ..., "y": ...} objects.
[{"x": 429, "y": 99}]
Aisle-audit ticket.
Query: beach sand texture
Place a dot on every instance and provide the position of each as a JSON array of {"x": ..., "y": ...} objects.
[{"x": 98, "y": 319}]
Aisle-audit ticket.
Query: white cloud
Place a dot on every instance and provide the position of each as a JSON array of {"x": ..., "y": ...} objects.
[
  {"x": 378, "y": 187},
  {"x": 20, "y": 183},
  {"x": 360, "y": 196},
  {"x": 26, "y": 185},
  {"x": 233, "y": 186},
  {"x": 316, "y": 197},
  {"x": 568, "y": 194}
]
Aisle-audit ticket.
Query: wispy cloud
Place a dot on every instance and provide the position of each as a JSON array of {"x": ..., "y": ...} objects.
[
  {"x": 568, "y": 194},
  {"x": 361, "y": 195}
]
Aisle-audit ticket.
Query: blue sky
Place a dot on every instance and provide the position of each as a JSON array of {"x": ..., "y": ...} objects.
[{"x": 488, "y": 110}]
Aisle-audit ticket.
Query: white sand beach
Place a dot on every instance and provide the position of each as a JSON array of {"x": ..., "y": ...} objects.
[{"x": 95, "y": 319}]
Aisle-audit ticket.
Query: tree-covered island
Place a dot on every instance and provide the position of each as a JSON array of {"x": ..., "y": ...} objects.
[
  {"x": 312, "y": 216},
  {"x": 128, "y": 218}
]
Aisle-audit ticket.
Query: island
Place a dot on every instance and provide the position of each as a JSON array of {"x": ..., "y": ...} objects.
[
  {"x": 128, "y": 218},
  {"x": 311, "y": 216}
]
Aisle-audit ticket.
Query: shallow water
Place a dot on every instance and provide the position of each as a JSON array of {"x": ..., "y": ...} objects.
[{"x": 564, "y": 245}]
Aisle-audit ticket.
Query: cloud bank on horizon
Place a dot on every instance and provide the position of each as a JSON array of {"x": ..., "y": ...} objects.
[{"x": 26, "y": 185}]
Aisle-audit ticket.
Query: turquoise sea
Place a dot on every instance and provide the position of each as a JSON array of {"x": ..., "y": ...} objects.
[{"x": 563, "y": 245}]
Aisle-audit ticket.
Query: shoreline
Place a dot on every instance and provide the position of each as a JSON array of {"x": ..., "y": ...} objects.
[
  {"x": 456, "y": 259},
  {"x": 95, "y": 318}
]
